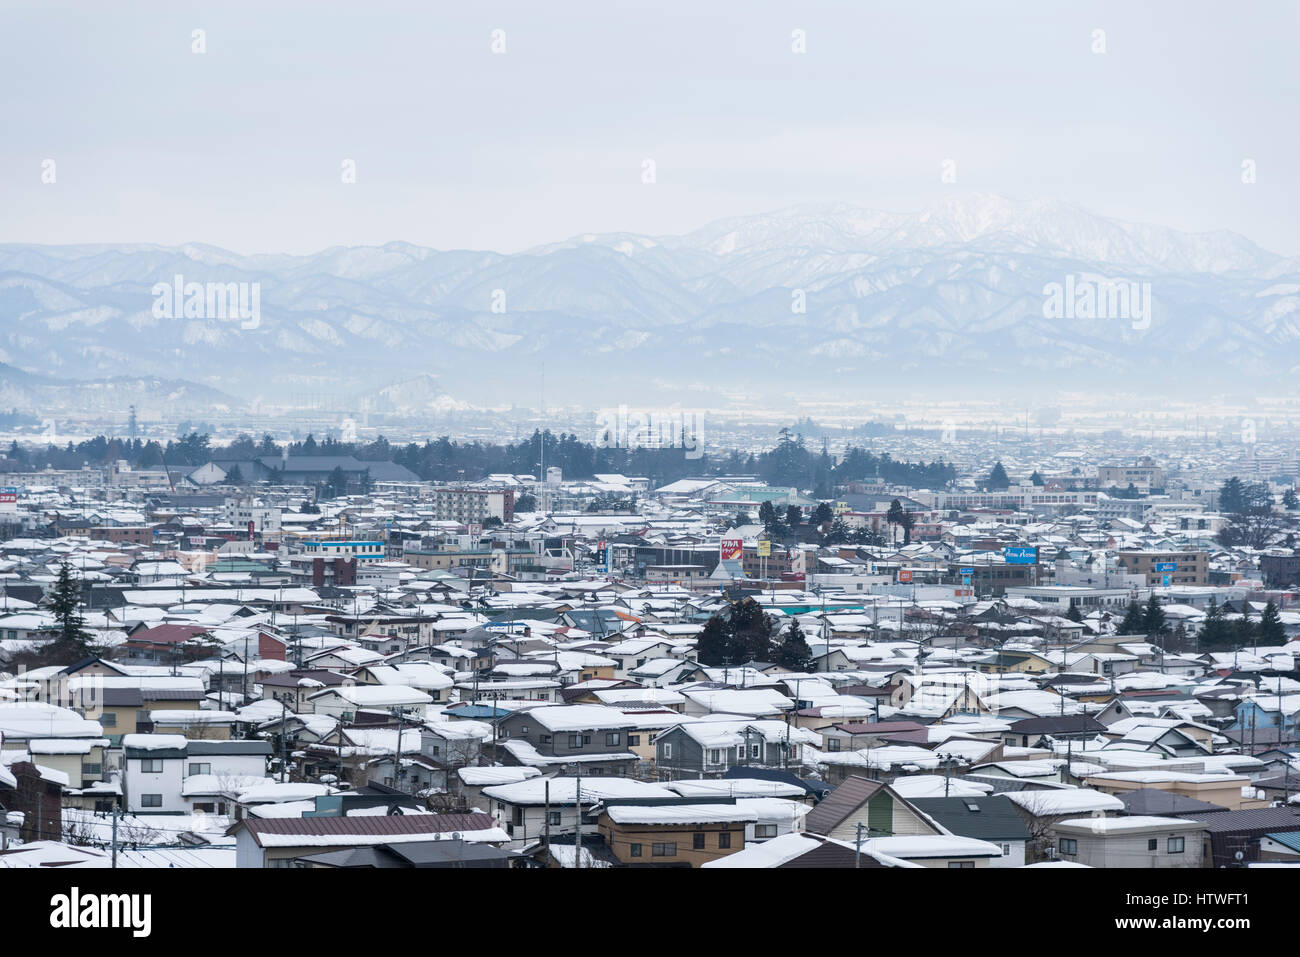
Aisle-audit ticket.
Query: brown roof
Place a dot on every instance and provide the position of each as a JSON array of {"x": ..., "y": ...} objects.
[
  {"x": 839, "y": 804},
  {"x": 378, "y": 825},
  {"x": 167, "y": 634},
  {"x": 879, "y": 727}
]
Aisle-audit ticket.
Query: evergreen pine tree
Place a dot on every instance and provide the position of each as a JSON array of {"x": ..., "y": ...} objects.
[
  {"x": 65, "y": 605},
  {"x": 1134, "y": 621},
  {"x": 1214, "y": 633},
  {"x": 794, "y": 652},
  {"x": 1178, "y": 640},
  {"x": 1153, "y": 617},
  {"x": 1232, "y": 496},
  {"x": 1271, "y": 630},
  {"x": 839, "y": 532},
  {"x": 714, "y": 643}
]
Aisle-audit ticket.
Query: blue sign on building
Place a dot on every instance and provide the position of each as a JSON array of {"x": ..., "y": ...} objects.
[
  {"x": 967, "y": 571},
  {"x": 1020, "y": 555},
  {"x": 1165, "y": 566}
]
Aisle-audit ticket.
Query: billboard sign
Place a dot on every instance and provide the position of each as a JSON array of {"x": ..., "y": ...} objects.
[
  {"x": 967, "y": 571},
  {"x": 475, "y": 529},
  {"x": 731, "y": 549},
  {"x": 8, "y": 495},
  {"x": 764, "y": 549},
  {"x": 1020, "y": 555},
  {"x": 1165, "y": 566},
  {"x": 905, "y": 575},
  {"x": 1165, "y": 581}
]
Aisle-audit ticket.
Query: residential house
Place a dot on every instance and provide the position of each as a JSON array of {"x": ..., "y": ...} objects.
[
  {"x": 593, "y": 736},
  {"x": 863, "y": 808},
  {"x": 713, "y": 746},
  {"x": 674, "y": 835},
  {"x": 281, "y": 841},
  {"x": 1133, "y": 841},
  {"x": 989, "y": 818}
]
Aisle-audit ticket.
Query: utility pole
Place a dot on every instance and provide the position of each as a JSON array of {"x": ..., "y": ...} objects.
[
  {"x": 577, "y": 858},
  {"x": 116, "y": 811},
  {"x": 284, "y": 719},
  {"x": 546, "y": 827},
  {"x": 397, "y": 758}
]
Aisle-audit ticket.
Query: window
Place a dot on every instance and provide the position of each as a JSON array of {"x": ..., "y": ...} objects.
[
  {"x": 764, "y": 830},
  {"x": 664, "y": 850},
  {"x": 553, "y": 819},
  {"x": 1176, "y": 845},
  {"x": 612, "y": 739},
  {"x": 200, "y": 768},
  {"x": 715, "y": 756},
  {"x": 636, "y": 850},
  {"x": 89, "y": 770},
  {"x": 633, "y": 740},
  {"x": 151, "y": 800},
  {"x": 755, "y": 750},
  {"x": 1069, "y": 845},
  {"x": 151, "y": 765},
  {"x": 575, "y": 740},
  {"x": 832, "y": 744},
  {"x": 108, "y": 719},
  {"x": 1153, "y": 844},
  {"x": 668, "y": 751},
  {"x": 961, "y": 864},
  {"x": 697, "y": 841},
  {"x": 724, "y": 839}
]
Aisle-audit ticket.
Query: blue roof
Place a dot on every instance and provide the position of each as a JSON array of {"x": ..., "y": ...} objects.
[
  {"x": 1289, "y": 839},
  {"x": 478, "y": 712}
]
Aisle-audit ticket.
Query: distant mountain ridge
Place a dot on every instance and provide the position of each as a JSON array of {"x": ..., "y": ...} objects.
[{"x": 829, "y": 297}]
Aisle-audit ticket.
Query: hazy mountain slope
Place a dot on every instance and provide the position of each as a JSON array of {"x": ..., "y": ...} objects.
[{"x": 827, "y": 297}]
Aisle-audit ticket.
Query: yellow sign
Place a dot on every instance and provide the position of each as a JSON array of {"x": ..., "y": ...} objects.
[
  {"x": 841, "y": 508},
  {"x": 764, "y": 548}
]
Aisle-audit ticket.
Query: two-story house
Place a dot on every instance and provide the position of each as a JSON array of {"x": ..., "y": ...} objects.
[{"x": 590, "y": 735}]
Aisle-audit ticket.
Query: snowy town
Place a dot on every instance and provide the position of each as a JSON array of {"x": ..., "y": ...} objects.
[{"x": 1043, "y": 664}]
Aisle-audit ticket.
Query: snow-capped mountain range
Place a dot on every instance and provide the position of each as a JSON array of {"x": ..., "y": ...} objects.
[{"x": 824, "y": 298}]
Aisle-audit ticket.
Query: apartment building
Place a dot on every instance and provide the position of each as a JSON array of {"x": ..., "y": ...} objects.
[
  {"x": 1167, "y": 568},
  {"x": 472, "y": 505}
]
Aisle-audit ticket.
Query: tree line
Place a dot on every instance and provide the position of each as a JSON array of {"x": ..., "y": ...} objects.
[{"x": 789, "y": 464}]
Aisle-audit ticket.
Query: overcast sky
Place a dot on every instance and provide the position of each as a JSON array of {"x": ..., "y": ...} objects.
[{"x": 457, "y": 146}]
